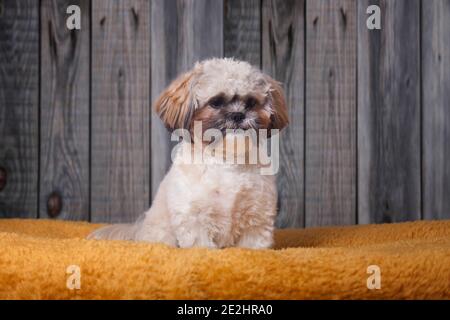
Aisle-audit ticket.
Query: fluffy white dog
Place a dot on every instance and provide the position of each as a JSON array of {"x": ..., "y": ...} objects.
[{"x": 213, "y": 204}]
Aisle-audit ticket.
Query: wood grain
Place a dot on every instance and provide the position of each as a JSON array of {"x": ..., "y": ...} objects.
[
  {"x": 242, "y": 30},
  {"x": 389, "y": 113},
  {"x": 19, "y": 105},
  {"x": 369, "y": 109},
  {"x": 120, "y": 110},
  {"x": 330, "y": 112},
  {"x": 65, "y": 110},
  {"x": 436, "y": 108},
  {"x": 283, "y": 59},
  {"x": 183, "y": 32}
]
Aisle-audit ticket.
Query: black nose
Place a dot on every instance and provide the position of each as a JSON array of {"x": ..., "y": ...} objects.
[{"x": 237, "y": 116}]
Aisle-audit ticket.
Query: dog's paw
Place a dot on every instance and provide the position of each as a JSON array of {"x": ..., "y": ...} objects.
[{"x": 256, "y": 240}]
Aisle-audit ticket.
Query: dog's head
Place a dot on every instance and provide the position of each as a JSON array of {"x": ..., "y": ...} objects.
[{"x": 223, "y": 94}]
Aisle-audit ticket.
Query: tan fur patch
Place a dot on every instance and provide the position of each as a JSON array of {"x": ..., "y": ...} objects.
[
  {"x": 280, "y": 115},
  {"x": 175, "y": 103}
]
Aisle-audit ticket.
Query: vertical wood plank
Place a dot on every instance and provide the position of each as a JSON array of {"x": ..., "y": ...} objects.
[
  {"x": 64, "y": 110},
  {"x": 389, "y": 113},
  {"x": 242, "y": 30},
  {"x": 330, "y": 112},
  {"x": 164, "y": 56},
  {"x": 120, "y": 110},
  {"x": 436, "y": 108},
  {"x": 283, "y": 59},
  {"x": 183, "y": 32},
  {"x": 19, "y": 105}
]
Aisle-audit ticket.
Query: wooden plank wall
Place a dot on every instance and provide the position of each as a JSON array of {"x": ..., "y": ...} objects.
[
  {"x": 389, "y": 114},
  {"x": 64, "y": 118},
  {"x": 283, "y": 58},
  {"x": 120, "y": 138},
  {"x": 19, "y": 108},
  {"x": 369, "y": 133},
  {"x": 330, "y": 112},
  {"x": 242, "y": 30},
  {"x": 436, "y": 108}
]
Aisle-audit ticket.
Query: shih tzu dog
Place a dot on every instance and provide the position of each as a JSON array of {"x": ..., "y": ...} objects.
[{"x": 207, "y": 203}]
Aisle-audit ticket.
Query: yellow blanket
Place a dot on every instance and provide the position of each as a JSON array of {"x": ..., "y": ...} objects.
[{"x": 412, "y": 260}]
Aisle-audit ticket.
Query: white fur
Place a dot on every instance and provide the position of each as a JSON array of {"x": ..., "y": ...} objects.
[
  {"x": 236, "y": 77},
  {"x": 210, "y": 204},
  {"x": 206, "y": 205}
]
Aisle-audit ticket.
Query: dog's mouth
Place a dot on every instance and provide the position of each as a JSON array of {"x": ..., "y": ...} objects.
[
  {"x": 244, "y": 124},
  {"x": 228, "y": 125},
  {"x": 235, "y": 129}
]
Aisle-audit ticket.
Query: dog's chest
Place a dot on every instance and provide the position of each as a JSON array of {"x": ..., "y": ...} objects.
[
  {"x": 220, "y": 189},
  {"x": 225, "y": 200}
]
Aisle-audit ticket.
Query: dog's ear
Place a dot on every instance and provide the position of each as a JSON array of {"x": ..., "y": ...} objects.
[
  {"x": 280, "y": 117},
  {"x": 176, "y": 103}
]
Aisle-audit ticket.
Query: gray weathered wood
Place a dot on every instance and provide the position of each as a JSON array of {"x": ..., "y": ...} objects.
[
  {"x": 64, "y": 110},
  {"x": 283, "y": 59},
  {"x": 120, "y": 109},
  {"x": 436, "y": 108},
  {"x": 183, "y": 32},
  {"x": 330, "y": 112},
  {"x": 328, "y": 157},
  {"x": 242, "y": 30},
  {"x": 389, "y": 113},
  {"x": 19, "y": 103}
]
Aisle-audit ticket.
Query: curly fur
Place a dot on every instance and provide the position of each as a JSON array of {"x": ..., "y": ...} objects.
[{"x": 210, "y": 204}]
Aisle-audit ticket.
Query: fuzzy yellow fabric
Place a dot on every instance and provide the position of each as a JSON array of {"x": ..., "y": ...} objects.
[{"x": 316, "y": 263}]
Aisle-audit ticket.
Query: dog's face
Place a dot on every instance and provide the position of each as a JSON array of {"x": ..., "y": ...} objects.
[{"x": 223, "y": 94}]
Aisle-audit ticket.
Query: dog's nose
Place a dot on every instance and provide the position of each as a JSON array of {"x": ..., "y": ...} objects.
[{"x": 237, "y": 116}]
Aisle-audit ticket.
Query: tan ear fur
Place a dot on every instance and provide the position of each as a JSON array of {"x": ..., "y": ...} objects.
[
  {"x": 176, "y": 103},
  {"x": 280, "y": 117}
]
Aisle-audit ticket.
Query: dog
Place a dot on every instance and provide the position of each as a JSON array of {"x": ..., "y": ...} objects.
[{"x": 211, "y": 204}]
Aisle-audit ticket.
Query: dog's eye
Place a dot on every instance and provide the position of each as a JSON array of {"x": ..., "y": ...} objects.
[
  {"x": 250, "y": 103},
  {"x": 217, "y": 102}
]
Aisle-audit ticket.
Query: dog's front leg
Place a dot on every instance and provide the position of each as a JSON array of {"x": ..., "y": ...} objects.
[
  {"x": 256, "y": 238},
  {"x": 194, "y": 235}
]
